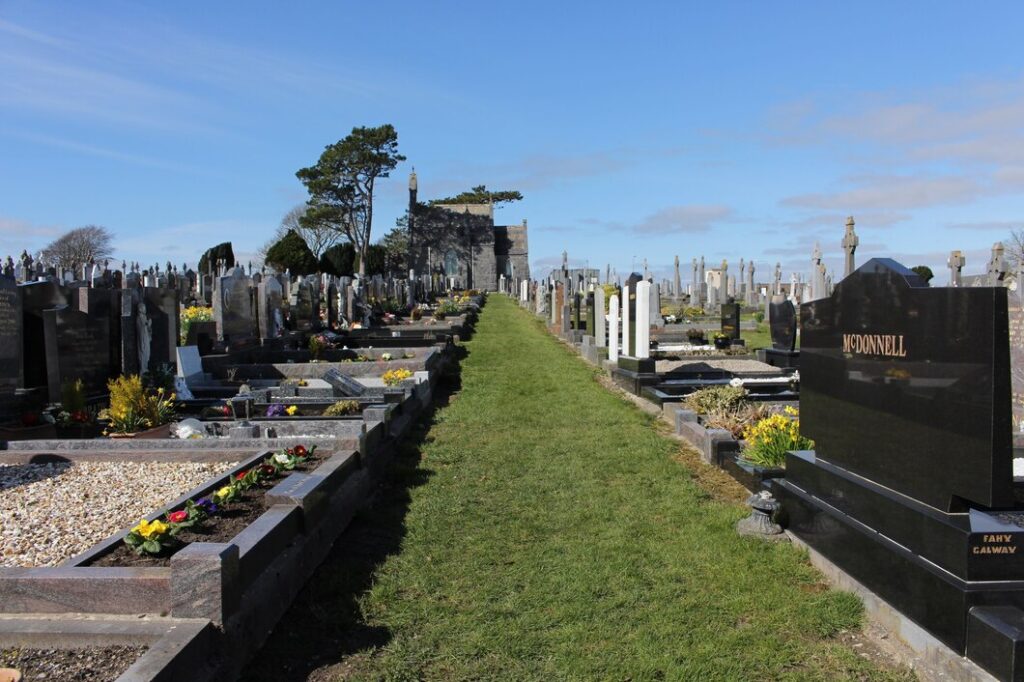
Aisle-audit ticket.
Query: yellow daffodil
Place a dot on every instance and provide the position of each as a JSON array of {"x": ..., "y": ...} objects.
[{"x": 292, "y": 410}]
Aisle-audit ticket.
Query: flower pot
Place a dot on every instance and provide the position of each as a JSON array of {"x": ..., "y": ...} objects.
[
  {"x": 722, "y": 344},
  {"x": 10, "y": 675},
  {"x": 162, "y": 431}
]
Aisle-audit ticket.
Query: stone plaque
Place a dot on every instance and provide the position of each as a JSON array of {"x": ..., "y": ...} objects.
[
  {"x": 344, "y": 384},
  {"x": 782, "y": 322},
  {"x": 909, "y": 386}
]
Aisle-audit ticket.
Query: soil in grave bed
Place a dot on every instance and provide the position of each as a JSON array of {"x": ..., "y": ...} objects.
[
  {"x": 220, "y": 527},
  {"x": 97, "y": 664}
]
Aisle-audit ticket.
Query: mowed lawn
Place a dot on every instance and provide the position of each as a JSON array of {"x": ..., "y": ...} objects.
[{"x": 551, "y": 535}]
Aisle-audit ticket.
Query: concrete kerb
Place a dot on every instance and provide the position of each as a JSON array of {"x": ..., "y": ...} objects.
[{"x": 177, "y": 649}]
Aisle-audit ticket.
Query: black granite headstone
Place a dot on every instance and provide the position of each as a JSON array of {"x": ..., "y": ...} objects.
[
  {"x": 731, "y": 320},
  {"x": 344, "y": 384},
  {"x": 782, "y": 323},
  {"x": 909, "y": 386},
  {"x": 37, "y": 297},
  {"x": 11, "y": 368}
]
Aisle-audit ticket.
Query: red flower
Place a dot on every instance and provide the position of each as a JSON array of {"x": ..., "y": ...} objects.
[
  {"x": 178, "y": 516},
  {"x": 79, "y": 416},
  {"x": 267, "y": 470},
  {"x": 240, "y": 475},
  {"x": 226, "y": 409},
  {"x": 298, "y": 451}
]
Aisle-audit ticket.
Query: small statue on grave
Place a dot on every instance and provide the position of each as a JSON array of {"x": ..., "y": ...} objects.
[{"x": 144, "y": 336}]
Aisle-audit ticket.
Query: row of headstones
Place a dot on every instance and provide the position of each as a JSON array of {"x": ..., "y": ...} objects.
[
  {"x": 50, "y": 334},
  {"x": 250, "y": 307}
]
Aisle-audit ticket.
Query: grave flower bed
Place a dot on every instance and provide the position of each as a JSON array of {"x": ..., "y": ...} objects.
[{"x": 234, "y": 504}]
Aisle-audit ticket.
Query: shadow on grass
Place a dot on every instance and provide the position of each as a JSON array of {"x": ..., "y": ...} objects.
[{"x": 324, "y": 626}]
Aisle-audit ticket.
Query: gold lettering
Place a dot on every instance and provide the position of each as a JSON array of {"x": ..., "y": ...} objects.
[{"x": 887, "y": 345}]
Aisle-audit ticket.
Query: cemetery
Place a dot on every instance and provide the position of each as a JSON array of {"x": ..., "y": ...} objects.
[
  {"x": 278, "y": 405},
  {"x": 248, "y": 439}
]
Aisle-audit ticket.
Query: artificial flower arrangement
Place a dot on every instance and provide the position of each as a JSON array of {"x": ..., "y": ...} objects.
[
  {"x": 393, "y": 377},
  {"x": 386, "y": 357},
  {"x": 317, "y": 344},
  {"x": 280, "y": 410},
  {"x": 152, "y": 537}
]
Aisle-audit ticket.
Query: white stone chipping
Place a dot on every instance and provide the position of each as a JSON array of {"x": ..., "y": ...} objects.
[{"x": 51, "y": 512}]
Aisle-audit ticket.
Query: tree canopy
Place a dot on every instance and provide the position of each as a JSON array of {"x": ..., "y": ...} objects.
[
  {"x": 341, "y": 184},
  {"x": 339, "y": 260},
  {"x": 79, "y": 246},
  {"x": 924, "y": 272},
  {"x": 481, "y": 195},
  {"x": 222, "y": 251},
  {"x": 291, "y": 253}
]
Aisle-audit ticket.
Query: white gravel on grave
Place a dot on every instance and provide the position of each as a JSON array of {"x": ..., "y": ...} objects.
[{"x": 51, "y": 512}]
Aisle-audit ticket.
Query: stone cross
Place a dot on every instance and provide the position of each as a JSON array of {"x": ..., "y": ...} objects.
[
  {"x": 818, "y": 272},
  {"x": 996, "y": 266},
  {"x": 677, "y": 283},
  {"x": 695, "y": 291},
  {"x": 777, "y": 286},
  {"x": 849, "y": 244},
  {"x": 742, "y": 282},
  {"x": 751, "y": 293}
]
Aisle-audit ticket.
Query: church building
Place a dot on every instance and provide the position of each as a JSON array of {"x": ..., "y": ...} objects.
[{"x": 462, "y": 243}]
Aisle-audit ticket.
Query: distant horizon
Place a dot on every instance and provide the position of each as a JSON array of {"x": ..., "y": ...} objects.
[{"x": 728, "y": 131}]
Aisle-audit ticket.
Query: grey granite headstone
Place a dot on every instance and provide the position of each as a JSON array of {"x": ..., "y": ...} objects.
[{"x": 232, "y": 306}]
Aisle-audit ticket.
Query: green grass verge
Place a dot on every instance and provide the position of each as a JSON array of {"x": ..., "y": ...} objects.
[{"x": 548, "y": 534}]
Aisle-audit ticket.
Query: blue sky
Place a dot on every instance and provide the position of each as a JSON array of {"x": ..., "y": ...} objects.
[{"x": 641, "y": 130}]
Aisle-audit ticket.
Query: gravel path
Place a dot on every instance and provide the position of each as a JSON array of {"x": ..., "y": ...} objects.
[
  {"x": 50, "y": 512},
  {"x": 729, "y": 364}
]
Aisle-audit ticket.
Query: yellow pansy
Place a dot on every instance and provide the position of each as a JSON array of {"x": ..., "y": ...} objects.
[{"x": 292, "y": 410}]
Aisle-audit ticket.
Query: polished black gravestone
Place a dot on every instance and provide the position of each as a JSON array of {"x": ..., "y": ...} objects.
[
  {"x": 11, "y": 367},
  {"x": 905, "y": 390},
  {"x": 782, "y": 323},
  {"x": 731, "y": 320}
]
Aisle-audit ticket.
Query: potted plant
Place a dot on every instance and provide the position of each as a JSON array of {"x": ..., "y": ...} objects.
[
  {"x": 137, "y": 413},
  {"x": 695, "y": 336},
  {"x": 767, "y": 441},
  {"x": 721, "y": 340}
]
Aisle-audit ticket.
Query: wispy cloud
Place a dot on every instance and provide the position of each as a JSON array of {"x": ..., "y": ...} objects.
[
  {"x": 941, "y": 146},
  {"x": 103, "y": 152},
  {"x": 684, "y": 218},
  {"x": 893, "y": 192},
  {"x": 869, "y": 219}
]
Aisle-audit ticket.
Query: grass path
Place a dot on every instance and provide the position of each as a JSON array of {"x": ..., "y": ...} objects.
[{"x": 543, "y": 531}]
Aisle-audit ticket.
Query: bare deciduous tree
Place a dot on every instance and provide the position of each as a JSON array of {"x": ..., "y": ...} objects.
[
  {"x": 318, "y": 237},
  {"x": 1014, "y": 249},
  {"x": 79, "y": 246}
]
